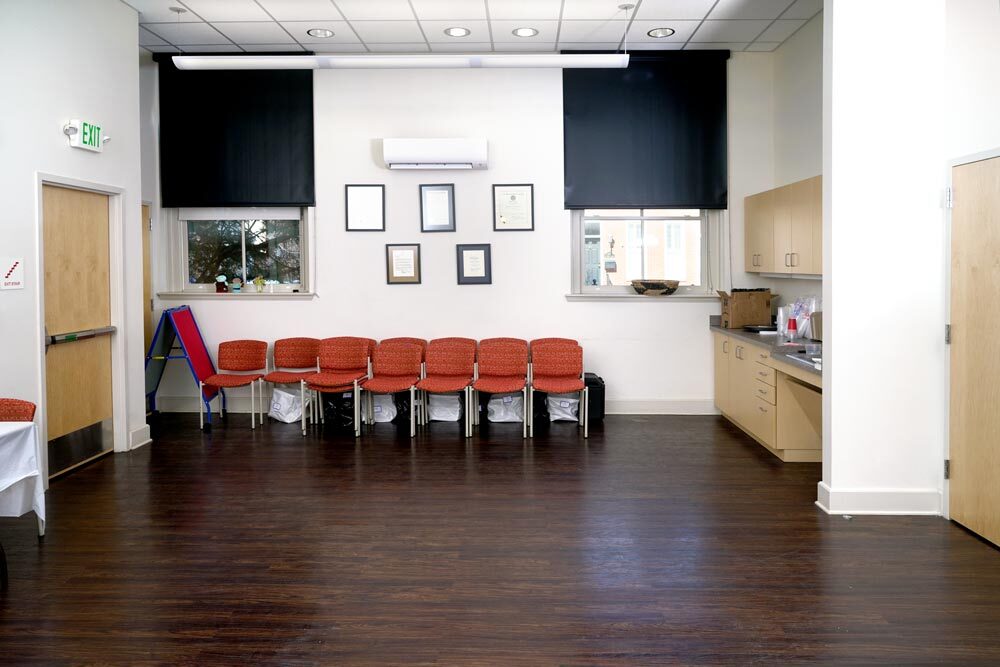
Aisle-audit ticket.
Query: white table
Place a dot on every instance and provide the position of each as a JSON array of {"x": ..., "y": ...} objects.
[{"x": 22, "y": 488}]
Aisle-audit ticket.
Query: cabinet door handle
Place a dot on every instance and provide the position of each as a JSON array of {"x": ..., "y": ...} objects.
[
  {"x": 725, "y": 347},
  {"x": 787, "y": 260},
  {"x": 762, "y": 409},
  {"x": 795, "y": 259}
]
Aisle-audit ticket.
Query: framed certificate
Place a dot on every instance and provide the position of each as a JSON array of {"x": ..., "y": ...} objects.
[
  {"x": 364, "y": 208},
  {"x": 437, "y": 207},
  {"x": 514, "y": 208},
  {"x": 475, "y": 266},
  {"x": 402, "y": 263}
]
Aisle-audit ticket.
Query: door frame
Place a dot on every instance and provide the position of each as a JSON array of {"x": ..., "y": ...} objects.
[
  {"x": 116, "y": 286},
  {"x": 946, "y": 453}
]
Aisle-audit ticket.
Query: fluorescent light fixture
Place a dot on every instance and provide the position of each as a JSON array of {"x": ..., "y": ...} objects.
[
  {"x": 322, "y": 33},
  {"x": 524, "y": 32},
  {"x": 441, "y": 165},
  {"x": 660, "y": 33},
  {"x": 457, "y": 32},
  {"x": 416, "y": 61}
]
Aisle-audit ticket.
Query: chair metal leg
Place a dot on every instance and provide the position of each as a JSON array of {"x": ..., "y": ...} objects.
[
  {"x": 253, "y": 408},
  {"x": 531, "y": 401},
  {"x": 356, "y": 399},
  {"x": 413, "y": 415},
  {"x": 201, "y": 405},
  {"x": 524, "y": 419},
  {"x": 302, "y": 397}
]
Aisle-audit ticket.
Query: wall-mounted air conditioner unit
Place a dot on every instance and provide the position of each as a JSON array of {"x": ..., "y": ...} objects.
[{"x": 434, "y": 153}]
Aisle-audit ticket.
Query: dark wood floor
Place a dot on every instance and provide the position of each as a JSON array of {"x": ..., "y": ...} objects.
[{"x": 662, "y": 540}]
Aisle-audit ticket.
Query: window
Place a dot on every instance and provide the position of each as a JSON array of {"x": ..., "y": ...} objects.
[
  {"x": 244, "y": 243},
  {"x": 618, "y": 246}
]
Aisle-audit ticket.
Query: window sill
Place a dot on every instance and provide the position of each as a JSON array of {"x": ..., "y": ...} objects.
[
  {"x": 250, "y": 296},
  {"x": 608, "y": 296}
]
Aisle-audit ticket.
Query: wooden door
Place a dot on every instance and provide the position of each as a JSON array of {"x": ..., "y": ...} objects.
[
  {"x": 147, "y": 281},
  {"x": 77, "y": 299},
  {"x": 723, "y": 347},
  {"x": 782, "y": 245},
  {"x": 975, "y": 350},
  {"x": 758, "y": 220},
  {"x": 801, "y": 197}
]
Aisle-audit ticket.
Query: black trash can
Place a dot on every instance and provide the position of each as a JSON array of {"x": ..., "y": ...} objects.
[{"x": 595, "y": 387}]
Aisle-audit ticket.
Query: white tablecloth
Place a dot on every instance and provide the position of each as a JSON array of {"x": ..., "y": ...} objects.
[{"x": 22, "y": 488}]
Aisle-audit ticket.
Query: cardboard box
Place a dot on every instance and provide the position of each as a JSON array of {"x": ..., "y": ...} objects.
[{"x": 740, "y": 309}]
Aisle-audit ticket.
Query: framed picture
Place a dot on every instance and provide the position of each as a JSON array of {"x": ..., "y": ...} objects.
[
  {"x": 475, "y": 265},
  {"x": 364, "y": 208},
  {"x": 402, "y": 263},
  {"x": 514, "y": 207},
  {"x": 437, "y": 207}
]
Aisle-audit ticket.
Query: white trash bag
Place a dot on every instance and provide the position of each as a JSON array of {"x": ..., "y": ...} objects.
[
  {"x": 286, "y": 406},
  {"x": 564, "y": 407},
  {"x": 385, "y": 408},
  {"x": 505, "y": 408},
  {"x": 444, "y": 407}
]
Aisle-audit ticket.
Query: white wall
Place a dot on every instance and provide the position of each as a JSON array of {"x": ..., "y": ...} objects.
[
  {"x": 86, "y": 68},
  {"x": 798, "y": 105},
  {"x": 973, "y": 76},
  {"x": 884, "y": 399},
  {"x": 655, "y": 355}
]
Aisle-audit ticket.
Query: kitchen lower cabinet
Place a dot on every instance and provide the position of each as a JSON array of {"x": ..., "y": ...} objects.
[{"x": 780, "y": 406}]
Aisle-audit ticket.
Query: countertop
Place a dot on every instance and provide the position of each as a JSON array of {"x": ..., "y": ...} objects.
[{"x": 778, "y": 345}]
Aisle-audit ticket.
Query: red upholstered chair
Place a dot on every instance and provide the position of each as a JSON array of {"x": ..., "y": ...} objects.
[
  {"x": 16, "y": 410},
  {"x": 244, "y": 358},
  {"x": 503, "y": 369},
  {"x": 295, "y": 361},
  {"x": 422, "y": 344},
  {"x": 343, "y": 365},
  {"x": 451, "y": 368},
  {"x": 557, "y": 368},
  {"x": 396, "y": 368}
]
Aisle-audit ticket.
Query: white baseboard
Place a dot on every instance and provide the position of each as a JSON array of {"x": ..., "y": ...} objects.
[
  {"x": 878, "y": 501},
  {"x": 139, "y": 437},
  {"x": 660, "y": 407},
  {"x": 236, "y": 404}
]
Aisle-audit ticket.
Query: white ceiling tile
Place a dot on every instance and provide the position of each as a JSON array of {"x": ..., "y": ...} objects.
[
  {"x": 415, "y": 47},
  {"x": 655, "y": 46},
  {"x": 342, "y": 33},
  {"x": 254, "y": 32},
  {"x": 531, "y": 47},
  {"x": 337, "y": 48},
  {"x": 803, "y": 9},
  {"x": 301, "y": 10},
  {"x": 158, "y": 11},
  {"x": 682, "y": 31},
  {"x": 781, "y": 30},
  {"x": 503, "y": 31},
  {"x": 592, "y": 31},
  {"x": 211, "y": 48},
  {"x": 388, "y": 31},
  {"x": 722, "y": 46},
  {"x": 593, "y": 10},
  {"x": 187, "y": 33},
  {"x": 434, "y": 30},
  {"x": 227, "y": 10},
  {"x": 749, "y": 9},
  {"x": 674, "y": 9},
  {"x": 375, "y": 10},
  {"x": 160, "y": 49},
  {"x": 146, "y": 38},
  {"x": 545, "y": 10},
  {"x": 265, "y": 48},
  {"x": 588, "y": 46},
  {"x": 462, "y": 47},
  {"x": 449, "y": 10},
  {"x": 729, "y": 31},
  {"x": 763, "y": 46}
]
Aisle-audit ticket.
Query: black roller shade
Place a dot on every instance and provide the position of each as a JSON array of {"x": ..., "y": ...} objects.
[
  {"x": 236, "y": 137},
  {"x": 649, "y": 136}
]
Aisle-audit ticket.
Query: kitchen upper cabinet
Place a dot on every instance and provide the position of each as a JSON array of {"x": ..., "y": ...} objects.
[
  {"x": 758, "y": 221},
  {"x": 788, "y": 237}
]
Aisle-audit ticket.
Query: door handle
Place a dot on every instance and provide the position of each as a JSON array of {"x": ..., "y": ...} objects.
[
  {"x": 78, "y": 335},
  {"x": 787, "y": 261},
  {"x": 725, "y": 347},
  {"x": 795, "y": 260}
]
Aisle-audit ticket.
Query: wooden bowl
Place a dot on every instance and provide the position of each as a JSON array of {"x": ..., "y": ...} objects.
[{"x": 655, "y": 287}]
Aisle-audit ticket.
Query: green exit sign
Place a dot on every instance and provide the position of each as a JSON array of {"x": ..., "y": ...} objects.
[{"x": 85, "y": 134}]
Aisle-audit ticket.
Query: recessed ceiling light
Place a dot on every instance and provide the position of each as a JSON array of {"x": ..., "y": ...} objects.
[
  {"x": 457, "y": 32},
  {"x": 524, "y": 32},
  {"x": 319, "y": 32},
  {"x": 660, "y": 33}
]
